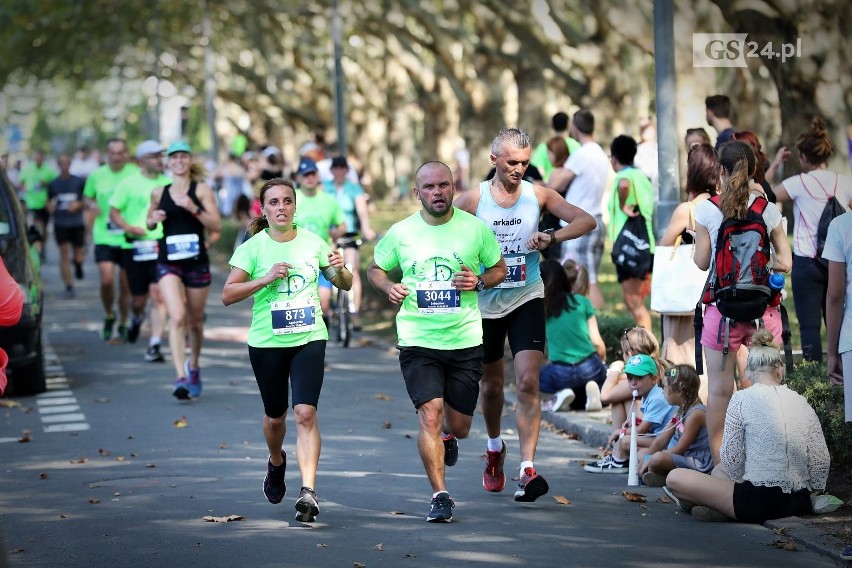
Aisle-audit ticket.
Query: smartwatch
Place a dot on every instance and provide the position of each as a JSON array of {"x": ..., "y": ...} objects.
[
  {"x": 552, "y": 234},
  {"x": 480, "y": 284}
]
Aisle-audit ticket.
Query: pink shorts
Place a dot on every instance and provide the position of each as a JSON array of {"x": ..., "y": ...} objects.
[{"x": 713, "y": 334}]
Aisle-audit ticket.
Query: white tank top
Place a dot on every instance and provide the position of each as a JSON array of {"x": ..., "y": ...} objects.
[{"x": 512, "y": 226}]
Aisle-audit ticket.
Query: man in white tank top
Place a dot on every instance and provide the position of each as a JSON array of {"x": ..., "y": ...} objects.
[{"x": 511, "y": 207}]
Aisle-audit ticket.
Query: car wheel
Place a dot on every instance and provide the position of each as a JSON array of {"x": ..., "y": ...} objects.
[{"x": 29, "y": 379}]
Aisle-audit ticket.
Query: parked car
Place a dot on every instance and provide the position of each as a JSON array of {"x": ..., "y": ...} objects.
[{"x": 22, "y": 342}]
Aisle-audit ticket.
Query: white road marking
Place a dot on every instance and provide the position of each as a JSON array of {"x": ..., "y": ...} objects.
[{"x": 58, "y": 407}]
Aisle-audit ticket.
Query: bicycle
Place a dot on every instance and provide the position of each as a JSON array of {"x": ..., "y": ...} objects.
[{"x": 341, "y": 317}]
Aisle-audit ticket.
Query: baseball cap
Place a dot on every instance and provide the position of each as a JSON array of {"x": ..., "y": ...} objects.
[
  {"x": 640, "y": 365},
  {"x": 179, "y": 146},
  {"x": 308, "y": 147},
  {"x": 307, "y": 166},
  {"x": 271, "y": 151},
  {"x": 339, "y": 162},
  {"x": 148, "y": 147}
]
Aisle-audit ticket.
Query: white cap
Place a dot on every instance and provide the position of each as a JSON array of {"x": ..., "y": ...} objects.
[
  {"x": 149, "y": 147},
  {"x": 271, "y": 151}
]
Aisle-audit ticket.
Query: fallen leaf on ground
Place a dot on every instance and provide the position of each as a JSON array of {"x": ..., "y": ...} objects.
[
  {"x": 386, "y": 425},
  {"x": 561, "y": 500},
  {"x": 322, "y": 546},
  {"x": 223, "y": 446},
  {"x": 382, "y": 396},
  {"x": 395, "y": 513},
  {"x": 16, "y": 551},
  {"x": 104, "y": 452},
  {"x": 93, "y": 501},
  {"x": 101, "y": 400},
  {"x": 780, "y": 531},
  {"x": 134, "y": 455},
  {"x": 81, "y": 460},
  {"x": 181, "y": 423},
  {"x": 228, "y": 519},
  {"x": 150, "y": 465},
  {"x": 25, "y": 437},
  {"x": 119, "y": 458},
  {"x": 409, "y": 555},
  {"x": 380, "y": 546},
  {"x": 664, "y": 499},
  {"x": 9, "y": 403},
  {"x": 408, "y": 436},
  {"x": 572, "y": 436},
  {"x": 634, "y": 497},
  {"x": 788, "y": 545},
  {"x": 359, "y": 565},
  {"x": 42, "y": 475},
  {"x": 63, "y": 516}
]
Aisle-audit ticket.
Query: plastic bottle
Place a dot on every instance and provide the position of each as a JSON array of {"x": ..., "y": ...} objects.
[{"x": 776, "y": 282}]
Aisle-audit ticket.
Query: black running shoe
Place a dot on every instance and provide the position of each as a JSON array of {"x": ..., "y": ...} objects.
[
  {"x": 307, "y": 508},
  {"x": 153, "y": 354},
  {"x": 181, "y": 391},
  {"x": 451, "y": 451},
  {"x": 134, "y": 329},
  {"x": 273, "y": 484},
  {"x": 441, "y": 510},
  {"x": 78, "y": 270},
  {"x": 531, "y": 486},
  {"x": 109, "y": 323}
]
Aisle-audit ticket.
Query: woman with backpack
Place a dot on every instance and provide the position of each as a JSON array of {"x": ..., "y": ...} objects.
[
  {"x": 818, "y": 195},
  {"x": 741, "y": 216}
]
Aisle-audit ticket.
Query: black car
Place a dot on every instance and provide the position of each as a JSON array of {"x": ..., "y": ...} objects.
[{"x": 22, "y": 342}]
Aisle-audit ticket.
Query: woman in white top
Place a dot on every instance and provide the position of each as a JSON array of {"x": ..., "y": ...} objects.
[
  {"x": 773, "y": 452},
  {"x": 737, "y": 195},
  {"x": 809, "y": 192}
]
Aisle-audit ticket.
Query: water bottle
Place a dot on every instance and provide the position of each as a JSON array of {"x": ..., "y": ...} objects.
[{"x": 776, "y": 285}]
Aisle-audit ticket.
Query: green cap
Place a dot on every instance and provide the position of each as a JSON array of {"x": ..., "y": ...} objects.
[
  {"x": 179, "y": 146},
  {"x": 640, "y": 365}
]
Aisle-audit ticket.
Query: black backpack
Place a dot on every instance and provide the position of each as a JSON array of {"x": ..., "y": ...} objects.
[{"x": 832, "y": 209}]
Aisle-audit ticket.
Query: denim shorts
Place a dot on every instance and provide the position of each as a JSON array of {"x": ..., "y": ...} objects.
[{"x": 556, "y": 376}]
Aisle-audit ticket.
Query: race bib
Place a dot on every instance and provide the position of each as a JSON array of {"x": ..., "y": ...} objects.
[
  {"x": 438, "y": 298},
  {"x": 64, "y": 201},
  {"x": 144, "y": 251},
  {"x": 292, "y": 316},
  {"x": 180, "y": 247},
  {"x": 516, "y": 275}
]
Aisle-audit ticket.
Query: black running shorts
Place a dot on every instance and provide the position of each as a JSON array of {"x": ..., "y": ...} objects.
[
  {"x": 451, "y": 374},
  {"x": 301, "y": 368},
  {"x": 525, "y": 327}
]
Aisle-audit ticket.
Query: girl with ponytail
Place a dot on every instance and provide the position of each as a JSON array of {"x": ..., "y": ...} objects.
[
  {"x": 810, "y": 192},
  {"x": 738, "y": 163}
]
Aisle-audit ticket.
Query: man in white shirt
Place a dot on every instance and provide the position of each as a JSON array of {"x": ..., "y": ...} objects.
[{"x": 588, "y": 169}]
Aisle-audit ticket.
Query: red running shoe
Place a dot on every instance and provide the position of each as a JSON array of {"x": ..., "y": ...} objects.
[
  {"x": 493, "y": 479},
  {"x": 531, "y": 486}
]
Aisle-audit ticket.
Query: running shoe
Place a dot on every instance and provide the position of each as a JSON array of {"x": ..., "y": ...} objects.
[
  {"x": 194, "y": 380},
  {"x": 153, "y": 355},
  {"x": 607, "y": 465},
  {"x": 682, "y": 505},
  {"x": 652, "y": 479},
  {"x": 122, "y": 331},
  {"x": 78, "y": 270},
  {"x": 441, "y": 508},
  {"x": 531, "y": 486},
  {"x": 181, "y": 391},
  {"x": 593, "y": 397},
  {"x": 562, "y": 398},
  {"x": 307, "y": 507},
  {"x": 274, "y": 487},
  {"x": 109, "y": 323},
  {"x": 133, "y": 331},
  {"x": 451, "y": 451},
  {"x": 708, "y": 515},
  {"x": 493, "y": 479}
]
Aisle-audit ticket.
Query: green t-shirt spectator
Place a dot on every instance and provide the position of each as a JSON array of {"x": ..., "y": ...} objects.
[
  {"x": 641, "y": 193},
  {"x": 35, "y": 179},
  {"x": 317, "y": 213},
  {"x": 434, "y": 314},
  {"x": 568, "y": 338},
  {"x": 100, "y": 186},
  {"x": 132, "y": 198},
  {"x": 307, "y": 254},
  {"x": 541, "y": 160}
]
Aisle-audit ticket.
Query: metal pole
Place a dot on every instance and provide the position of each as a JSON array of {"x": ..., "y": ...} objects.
[
  {"x": 210, "y": 83},
  {"x": 667, "y": 139},
  {"x": 339, "y": 83}
]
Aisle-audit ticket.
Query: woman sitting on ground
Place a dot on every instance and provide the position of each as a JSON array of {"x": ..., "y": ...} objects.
[{"x": 773, "y": 450}]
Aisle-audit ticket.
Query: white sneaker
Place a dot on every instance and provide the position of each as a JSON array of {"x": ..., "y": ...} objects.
[
  {"x": 607, "y": 465},
  {"x": 562, "y": 398},
  {"x": 593, "y": 397}
]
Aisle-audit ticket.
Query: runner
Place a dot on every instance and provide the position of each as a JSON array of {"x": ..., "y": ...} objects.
[
  {"x": 440, "y": 250},
  {"x": 65, "y": 205},
  {"x": 279, "y": 266},
  {"x": 511, "y": 207}
]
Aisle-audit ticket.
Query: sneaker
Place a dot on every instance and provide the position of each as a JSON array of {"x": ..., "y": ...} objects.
[
  {"x": 273, "y": 484},
  {"x": 652, "y": 479},
  {"x": 562, "y": 398},
  {"x": 441, "y": 509},
  {"x": 109, "y": 323},
  {"x": 133, "y": 331},
  {"x": 682, "y": 505},
  {"x": 78, "y": 270},
  {"x": 708, "y": 515},
  {"x": 531, "y": 486},
  {"x": 153, "y": 355},
  {"x": 307, "y": 508},
  {"x": 493, "y": 479},
  {"x": 593, "y": 397},
  {"x": 607, "y": 465},
  {"x": 194, "y": 379},
  {"x": 122, "y": 331},
  {"x": 846, "y": 553},
  {"x": 181, "y": 391},
  {"x": 356, "y": 321},
  {"x": 451, "y": 451}
]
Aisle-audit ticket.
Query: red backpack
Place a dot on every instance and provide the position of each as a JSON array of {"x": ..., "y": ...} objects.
[{"x": 739, "y": 277}]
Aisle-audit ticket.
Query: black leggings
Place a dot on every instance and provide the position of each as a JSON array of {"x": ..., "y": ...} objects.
[{"x": 302, "y": 367}]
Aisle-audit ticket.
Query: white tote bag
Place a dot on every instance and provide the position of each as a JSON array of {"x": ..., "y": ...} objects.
[{"x": 676, "y": 283}]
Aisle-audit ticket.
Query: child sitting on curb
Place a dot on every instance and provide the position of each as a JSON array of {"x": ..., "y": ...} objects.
[
  {"x": 686, "y": 445},
  {"x": 642, "y": 376}
]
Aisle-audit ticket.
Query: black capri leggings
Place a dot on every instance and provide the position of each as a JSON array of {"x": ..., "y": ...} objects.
[{"x": 276, "y": 368}]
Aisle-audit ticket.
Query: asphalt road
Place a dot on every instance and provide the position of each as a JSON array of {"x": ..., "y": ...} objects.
[{"x": 107, "y": 478}]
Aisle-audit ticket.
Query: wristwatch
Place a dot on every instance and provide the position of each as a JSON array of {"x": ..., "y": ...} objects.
[
  {"x": 552, "y": 234},
  {"x": 480, "y": 284}
]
